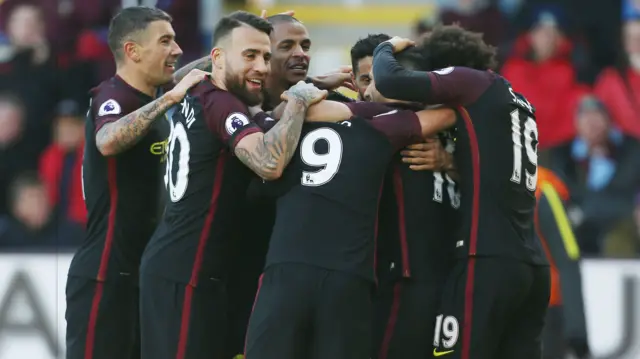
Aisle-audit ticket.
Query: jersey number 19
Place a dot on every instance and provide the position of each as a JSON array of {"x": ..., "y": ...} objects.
[{"x": 524, "y": 127}]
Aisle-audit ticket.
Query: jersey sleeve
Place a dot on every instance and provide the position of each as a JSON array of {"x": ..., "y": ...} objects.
[
  {"x": 367, "y": 109},
  {"x": 401, "y": 127},
  {"x": 109, "y": 105},
  {"x": 264, "y": 121},
  {"x": 451, "y": 85},
  {"x": 228, "y": 118}
]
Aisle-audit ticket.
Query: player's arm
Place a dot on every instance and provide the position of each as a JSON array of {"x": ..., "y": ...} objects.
[
  {"x": 457, "y": 85},
  {"x": 203, "y": 64},
  {"x": 433, "y": 121},
  {"x": 334, "y": 111},
  {"x": 118, "y": 136},
  {"x": 267, "y": 154}
]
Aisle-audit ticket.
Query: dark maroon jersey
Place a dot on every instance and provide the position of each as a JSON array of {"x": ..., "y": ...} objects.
[
  {"x": 328, "y": 196},
  {"x": 121, "y": 192},
  {"x": 206, "y": 187}
]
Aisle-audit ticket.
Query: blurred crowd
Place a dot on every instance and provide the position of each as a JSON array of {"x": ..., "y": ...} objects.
[{"x": 581, "y": 72}]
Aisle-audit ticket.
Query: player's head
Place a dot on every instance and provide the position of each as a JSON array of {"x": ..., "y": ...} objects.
[
  {"x": 362, "y": 58},
  {"x": 241, "y": 54},
  {"x": 142, "y": 37},
  {"x": 452, "y": 45},
  {"x": 290, "y": 45},
  {"x": 411, "y": 59}
]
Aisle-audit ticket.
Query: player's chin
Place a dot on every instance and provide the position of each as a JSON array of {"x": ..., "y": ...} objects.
[
  {"x": 294, "y": 76},
  {"x": 253, "y": 99}
]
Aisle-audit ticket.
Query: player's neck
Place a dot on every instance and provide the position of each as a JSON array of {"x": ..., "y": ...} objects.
[
  {"x": 137, "y": 81},
  {"x": 274, "y": 91}
]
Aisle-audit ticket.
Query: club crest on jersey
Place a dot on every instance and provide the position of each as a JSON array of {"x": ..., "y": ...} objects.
[
  {"x": 109, "y": 107},
  {"x": 445, "y": 71},
  {"x": 235, "y": 121}
]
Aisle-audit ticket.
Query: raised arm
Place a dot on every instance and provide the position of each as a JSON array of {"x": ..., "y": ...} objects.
[
  {"x": 396, "y": 82},
  {"x": 203, "y": 64},
  {"x": 267, "y": 154},
  {"x": 118, "y": 136}
]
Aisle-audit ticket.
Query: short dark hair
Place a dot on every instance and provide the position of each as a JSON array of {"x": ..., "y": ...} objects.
[
  {"x": 129, "y": 21},
  {"x": 452, "y": 45},
  {"x": 282, "y": 18},
  {"x": 365, "y": 47},
  {"x": 236, "y": 19}
]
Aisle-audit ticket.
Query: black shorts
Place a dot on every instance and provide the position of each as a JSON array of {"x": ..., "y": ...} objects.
[
  {"x": 404, "y": 317},
  {"x": 492, "y": 308},
  {"x": 303, "y": 311},
  {"x": 181, "y": 321},
  {"x": 102, "y": 319}
]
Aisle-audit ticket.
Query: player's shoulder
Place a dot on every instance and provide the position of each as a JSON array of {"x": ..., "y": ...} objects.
[{"x": 115, "y": 97}]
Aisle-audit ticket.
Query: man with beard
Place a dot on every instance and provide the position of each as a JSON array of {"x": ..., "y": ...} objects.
[
  {"x": 213, "y": 148},
  {"x": 361, "y": 60},
  {"x": 120, "y": 184},
  {"x": 495, "y": 299}
]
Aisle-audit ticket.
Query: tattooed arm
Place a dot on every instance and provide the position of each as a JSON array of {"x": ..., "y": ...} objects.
[
  {"x": 267, "y": 154},
  {"x": 116, "y": 137},
  {"x": 203, "y": 64}
]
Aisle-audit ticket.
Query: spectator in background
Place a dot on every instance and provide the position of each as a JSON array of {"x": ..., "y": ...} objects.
[
  {"x": 61, "y": 163},
  {"x": 540, "y": 68},
  {"x": 601, "y": 167},
  {"x": 476, "y": 15},
  {"x": 32, "y": 222},
  {"x": 15, "y": 155},
  {"x": 31, "y": 72},
  {"x": 624, "y": 240},
  {"x": 619, "y": 86}
]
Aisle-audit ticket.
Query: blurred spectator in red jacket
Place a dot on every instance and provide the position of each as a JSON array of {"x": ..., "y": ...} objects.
[
  {"x": 619, "y": 86},
  {"x": 61, "y": 163},
  {"x": 540, "y": 68},
  {"x": 32, "y": 222},
  {"x": 601, "y": 167}
]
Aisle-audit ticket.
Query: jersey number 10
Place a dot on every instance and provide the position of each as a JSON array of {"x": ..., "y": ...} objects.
[{"x": 529, "y": 130}]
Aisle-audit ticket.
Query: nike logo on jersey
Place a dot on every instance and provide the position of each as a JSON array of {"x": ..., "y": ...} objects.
[
  {"x": 436, "y": 353},
  {"x": 387, "y": 113}
]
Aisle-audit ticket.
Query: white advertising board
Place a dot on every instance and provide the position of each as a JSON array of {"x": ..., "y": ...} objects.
[{"x": 32, "y": 306}]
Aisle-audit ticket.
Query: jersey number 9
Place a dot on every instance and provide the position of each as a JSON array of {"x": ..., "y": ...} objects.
[
  {"x": 328, "y": 163},
  {"x": 527, "y": 128}
]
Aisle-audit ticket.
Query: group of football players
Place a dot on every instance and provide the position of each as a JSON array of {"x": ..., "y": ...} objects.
[{"x": 399, "y": 225}]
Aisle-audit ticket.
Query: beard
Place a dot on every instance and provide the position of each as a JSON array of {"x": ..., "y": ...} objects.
[{"x": 237, "y": 86}]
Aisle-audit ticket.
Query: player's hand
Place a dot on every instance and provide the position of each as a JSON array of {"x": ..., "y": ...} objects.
[
  {"x": 400, "y": 43},
  {"x": 427, "y": 156},
  {"x": 335, "y": 79},
  {"x": 308, "y": 93},
  {"x": 263, "y": 14},
  {"x": 194, "y": 77}
]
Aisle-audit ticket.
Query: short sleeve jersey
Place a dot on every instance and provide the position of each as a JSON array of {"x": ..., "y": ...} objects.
[
  {"x": 206, "y": 186},
  {"x": 327, "y": 206},
  {"x": 121, "y": 192}
]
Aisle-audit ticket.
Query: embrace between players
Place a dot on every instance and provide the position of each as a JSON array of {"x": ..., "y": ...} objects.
[{"x": 439, "y": 259}]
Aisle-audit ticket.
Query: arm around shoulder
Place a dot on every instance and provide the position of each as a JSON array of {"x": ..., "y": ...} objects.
[{"x": 434, "y": 121}]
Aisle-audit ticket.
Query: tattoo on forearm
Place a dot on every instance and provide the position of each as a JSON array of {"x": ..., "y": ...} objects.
[
  {"x": 127, "y": 131},
  {"x": 279, "y": 144},
  {"x": 203, "y": 64}
]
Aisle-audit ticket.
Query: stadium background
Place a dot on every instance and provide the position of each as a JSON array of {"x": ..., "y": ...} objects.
[{"x": 578, "y": 61}]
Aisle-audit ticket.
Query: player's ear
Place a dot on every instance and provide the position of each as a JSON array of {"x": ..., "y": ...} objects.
[
  {"x": 217, "y": 57},
  {"x": 132, "y": 51}
]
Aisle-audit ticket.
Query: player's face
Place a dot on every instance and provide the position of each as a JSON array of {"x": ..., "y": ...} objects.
[
  {"x": 291, "y": 45},
  {"x": 247, "y": 64},
  {"x": 158, "y": 52},
  {"x": 362, "y": 79},
  {"x": 371, "y": 94}
]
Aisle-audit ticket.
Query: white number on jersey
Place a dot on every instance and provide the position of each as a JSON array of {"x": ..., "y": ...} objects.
[
  {"x": 178, "y": 188},
  {"x": 530, "y": 133},
  {"x": 447, "y": 330},
  {"x": 438, "y": 184},
  {"x": 328, "y": 163}
]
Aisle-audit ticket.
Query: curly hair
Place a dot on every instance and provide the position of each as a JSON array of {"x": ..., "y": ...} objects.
[{"x": 452, "y": 45}]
